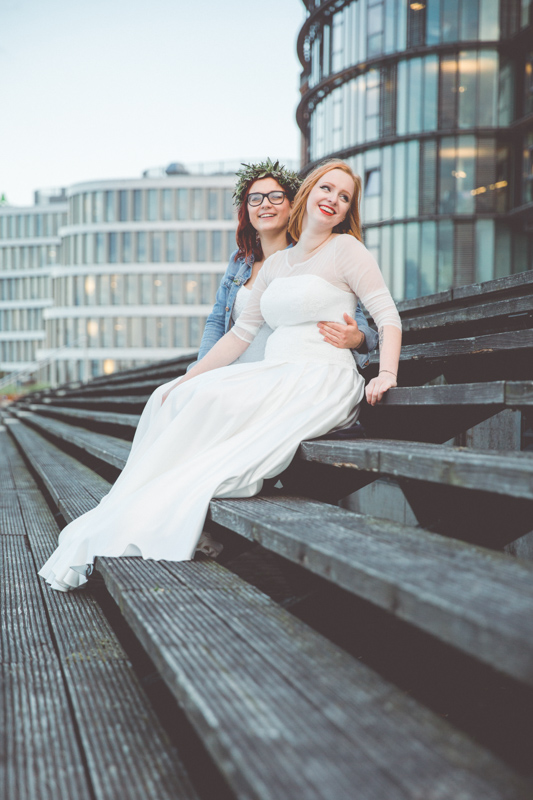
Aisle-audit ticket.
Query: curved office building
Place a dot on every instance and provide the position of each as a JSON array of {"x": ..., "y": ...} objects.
[
  {"x": 29, "y": 249},
  {"x": 141, "y": 261},
  {"x": 432, "y": 104}
]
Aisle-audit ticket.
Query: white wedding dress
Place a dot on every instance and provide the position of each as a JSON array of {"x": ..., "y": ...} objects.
[{"x": 224, "y": 431}]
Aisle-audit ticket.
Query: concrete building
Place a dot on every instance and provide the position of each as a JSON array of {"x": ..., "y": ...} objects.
[
  {"x": 141, "y": 261},
  {"x": 432, "y": 104},
  {"x": 29, "y": 248}
]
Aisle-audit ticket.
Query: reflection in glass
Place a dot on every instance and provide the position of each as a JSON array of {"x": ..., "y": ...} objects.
[
  {"x": 489, "y": 22},
  {"x": 445, "y": 239},
  {"x": 398, "y": 275},
  {"x": 117, "y": 289},
  {"x": 176, "y": 289},
  {"x": 98, "y": 207},
  {"x": 191, "y": 289},
  {"x": 465, "y": 174},
  {"x": 201, "y": 246},
  {"x": 484, "y": 250},
  {"x": 179, "y": 332},
  {"x": 197, "y": 203},
  {"x": 132, "y": 289},
  {"x": 411, "y": 259},
  {"x": 450, "y": 21},
  {"x": 428, "y": 253},
  {"x": 467, "y": 88},
  {"x": 212, "y": 204}
]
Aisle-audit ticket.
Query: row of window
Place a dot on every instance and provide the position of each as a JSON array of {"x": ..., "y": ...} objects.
[
  {"x": 145, "y": 289},
  {"x": 29, "y": 256},
  {"x": 137, "y": 205},
  {"x": 21, "y": 319},
  {"x": 125, "y": 332},
  {"x": 16, "y": 352},
  {"x": 471, "y": 89},
  {"x": 422, "y": 258},
  {"x": 81, "y": 370},
  {"x": 30, "y": 225},
  {"x": 366, "y": 29},
  {"x": 456, "y": 175},
  {"x": 34, "y": 288},
  {"x": 144, "y": 247}
]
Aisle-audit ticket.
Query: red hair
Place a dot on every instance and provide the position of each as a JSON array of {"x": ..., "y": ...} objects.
[{"x": 248, "y": 243}]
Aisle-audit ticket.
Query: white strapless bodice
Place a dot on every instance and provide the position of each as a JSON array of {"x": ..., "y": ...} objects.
[{"x": 292, "y": 307}]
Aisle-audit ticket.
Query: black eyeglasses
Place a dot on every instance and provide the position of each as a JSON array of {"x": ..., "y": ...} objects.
[{"x": 276, "y": 198}]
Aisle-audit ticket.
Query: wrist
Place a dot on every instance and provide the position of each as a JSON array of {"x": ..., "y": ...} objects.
[
  {"x": 389, "y": 372},
  {"x": 361, "y": 341}
]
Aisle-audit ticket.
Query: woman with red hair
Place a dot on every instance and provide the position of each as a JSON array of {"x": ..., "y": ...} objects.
[
  {"x": 223, "y": 428},
  {"x": 263, "y": 195}
]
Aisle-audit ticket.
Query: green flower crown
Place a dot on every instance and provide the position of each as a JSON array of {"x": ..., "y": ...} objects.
[{"x": 264, "y": 169}]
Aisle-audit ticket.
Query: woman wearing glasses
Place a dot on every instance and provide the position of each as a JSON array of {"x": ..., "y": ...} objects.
[
  {"x": 264, "y": 194},
  {"x": 223, "y": 428}
]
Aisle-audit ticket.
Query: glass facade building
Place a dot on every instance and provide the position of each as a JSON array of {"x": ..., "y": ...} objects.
[
  {"x": 30, "y": 247},
  {"x": 432, "y": 105}
]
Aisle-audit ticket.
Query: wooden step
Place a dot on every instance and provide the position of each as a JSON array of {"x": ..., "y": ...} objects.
[
  {"x": 479, "y": 601},
  {"x": 74, "y": 711},
  {"x": 509, "y": 474},
  {"x": 284, "y": 712}
]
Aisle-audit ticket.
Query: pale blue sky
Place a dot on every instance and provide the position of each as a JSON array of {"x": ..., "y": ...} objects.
[{"x": 95, "y": 89}]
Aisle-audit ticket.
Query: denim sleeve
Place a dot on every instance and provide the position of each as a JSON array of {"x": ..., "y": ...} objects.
[
  {"x": 216, "y": 321},
  {"x": 371, "y": 339}
]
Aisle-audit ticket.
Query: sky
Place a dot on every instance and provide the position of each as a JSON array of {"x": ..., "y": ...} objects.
[{"x": 93, "y": 89}]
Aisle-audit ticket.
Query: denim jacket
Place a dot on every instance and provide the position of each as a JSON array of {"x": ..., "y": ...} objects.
[{"x": 219, "y": 320}]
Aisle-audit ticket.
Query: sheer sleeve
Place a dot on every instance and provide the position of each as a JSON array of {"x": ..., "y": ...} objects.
[
  {"x": 358, "y": 268},
  {"x": 251, "y": 320}
]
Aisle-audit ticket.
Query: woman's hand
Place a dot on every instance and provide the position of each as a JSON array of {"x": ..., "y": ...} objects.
[
  {"x": 344, "y": 336},
  {"x": 377, "y": 387}
]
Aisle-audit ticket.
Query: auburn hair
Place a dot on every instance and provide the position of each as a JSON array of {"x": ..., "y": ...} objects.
[
  {"x": 248, "y": 243},
  {"x": 351, "y": 224}
]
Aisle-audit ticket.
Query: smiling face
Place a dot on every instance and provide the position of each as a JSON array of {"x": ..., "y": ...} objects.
[
  {"x": 330, "y": 198},
  {"x": 269, "y": 218}
]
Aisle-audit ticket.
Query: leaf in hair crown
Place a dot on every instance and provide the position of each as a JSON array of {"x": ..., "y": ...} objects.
[{"x": 286, "y": 178}]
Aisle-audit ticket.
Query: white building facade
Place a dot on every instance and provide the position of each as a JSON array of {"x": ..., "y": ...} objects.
[
  {"x": 141, "y": 261},
  {"x": 30, "y": 247}
]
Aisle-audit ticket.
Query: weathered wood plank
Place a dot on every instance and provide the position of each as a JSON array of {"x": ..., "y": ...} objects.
[
  {"x": 74, "y": 488},
  {"x": 477, "y": 600},
  {"x": 281, "y": 709},
  {"x": 123, "y": 742},
  {"x": 86, "y": 416},
  {"x": 41, "y": 758},
  {"x": 130, "y": 404},
  {"x": 473, "y": 345},
  {"x": 471, "y": 314},
  {"x": 109, "y": 449},
  {"x": 454, "y": 394},
  {"x": 500, "y": 473}
]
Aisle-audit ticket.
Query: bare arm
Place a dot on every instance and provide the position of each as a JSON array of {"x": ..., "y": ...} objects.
[
  {"x": 390, "y": 342},
  {"x": 224, "y": 352}
]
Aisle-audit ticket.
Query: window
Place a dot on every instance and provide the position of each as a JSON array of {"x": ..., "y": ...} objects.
[
  {"x": 191, "y": 289},
  {"x": 141, "y": 247},
  {"x": 137, "y": 205},
  {"x": 197, "y": 203},
  {"x": 176, "y": 289},
  {"x": 201, "y": 246},
  {"x": 182, "y": 201},
  {"x": 152, "y": 204},
  {"x": 156, "y": 247},
  {"x": 126, "y": 248},
  {"x": 372, "y": 182},
  {"x": 212, "y": 204},
  {"x": 110, "y": 206},
  {"x": 171, "y": 237},
  {"x": 113, "y": 254},
  {"x": 166, "y": 205},
  {"x": 98, "y": 207},
  {"x": 160, "y": 289},
  {"x": 185, "y": 254},
  {"x": 416, "y": 24},
  {"x": 528, "y": 85},
  {"x": 216, "y": 246},
  {"x": 100, "y": 252},
  {"x": 228, "y": 204},
  {"x": 123, "y": 205}
]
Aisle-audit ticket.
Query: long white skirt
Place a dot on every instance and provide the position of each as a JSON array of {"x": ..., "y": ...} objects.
[{"x": 217, "y": 435}]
